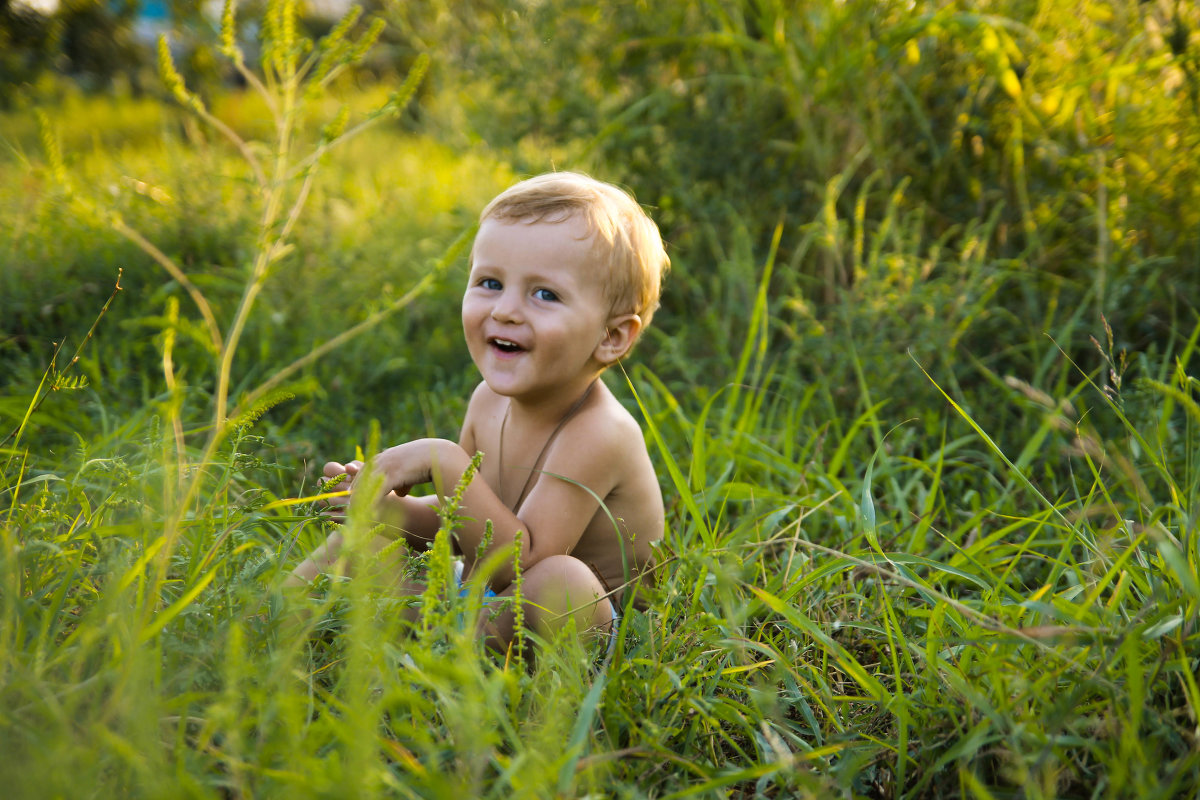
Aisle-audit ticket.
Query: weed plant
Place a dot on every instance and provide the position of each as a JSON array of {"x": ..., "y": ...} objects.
[
  {"x": 956, "y": 571},
  {"x": 1058, "y": 139},
  {"x": 944, "y": 620}
]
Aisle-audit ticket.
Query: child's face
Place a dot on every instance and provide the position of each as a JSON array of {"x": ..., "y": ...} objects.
[{"x": 534, "y": 311}]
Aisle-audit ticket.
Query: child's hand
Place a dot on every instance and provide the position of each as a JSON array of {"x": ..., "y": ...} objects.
[
  {"x": 406, "y": 465},
  {"x": 402, "y": 467},
  {"x": 337, "y": 505}
]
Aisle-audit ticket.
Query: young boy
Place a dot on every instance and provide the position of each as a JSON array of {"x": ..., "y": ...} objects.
[{"x": 565, "y": 274}]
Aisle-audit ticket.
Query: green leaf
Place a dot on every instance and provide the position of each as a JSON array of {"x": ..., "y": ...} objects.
[{"x": 1163, "y": 627}]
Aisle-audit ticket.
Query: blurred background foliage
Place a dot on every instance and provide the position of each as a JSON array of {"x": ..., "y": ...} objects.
[{"x": 948, "y": 179}]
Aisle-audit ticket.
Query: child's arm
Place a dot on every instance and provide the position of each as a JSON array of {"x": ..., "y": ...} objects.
[
  {"x": 553, "y": 517},
  {"x": 415, "y": 518}
]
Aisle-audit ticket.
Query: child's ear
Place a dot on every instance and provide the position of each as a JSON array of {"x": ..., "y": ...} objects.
[{"x": 619, "y": 335}]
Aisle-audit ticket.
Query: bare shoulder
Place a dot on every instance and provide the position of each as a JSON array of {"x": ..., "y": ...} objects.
[
  {"x": 481, "y": 409},
  {"x": 483, "y": 399},
  {"x": 606, "y": 427},
  {"x": 604, "y": 447}
]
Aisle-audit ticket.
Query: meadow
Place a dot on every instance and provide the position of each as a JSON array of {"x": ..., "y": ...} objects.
[{"x": 921, "y": 397}]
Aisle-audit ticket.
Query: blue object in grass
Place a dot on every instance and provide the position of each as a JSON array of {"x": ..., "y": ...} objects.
[{"x": 462, "y": 590}]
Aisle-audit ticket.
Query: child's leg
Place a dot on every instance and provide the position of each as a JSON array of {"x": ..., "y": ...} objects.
[
  {"x": 319, "y": 560},
  {"x": 557, "y": 590},
  {"x": 324, "y": 558}
]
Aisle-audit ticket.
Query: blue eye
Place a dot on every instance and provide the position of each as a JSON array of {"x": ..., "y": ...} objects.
[
  {"x": 491, "y": 283},
  {"x": 547, "y": 295}
]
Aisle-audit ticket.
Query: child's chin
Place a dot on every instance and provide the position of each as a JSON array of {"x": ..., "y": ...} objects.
[{"x": 503, "y": 387}]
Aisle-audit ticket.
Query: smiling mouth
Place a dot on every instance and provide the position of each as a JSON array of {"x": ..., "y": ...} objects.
[{"x": 505, "y": 345}]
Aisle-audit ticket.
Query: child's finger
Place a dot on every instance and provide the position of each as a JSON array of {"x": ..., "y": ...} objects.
[
  {"x": 335, "y": 508},
  {"x": 332, "y": 469},
  {"x": 337, "y": 513}
]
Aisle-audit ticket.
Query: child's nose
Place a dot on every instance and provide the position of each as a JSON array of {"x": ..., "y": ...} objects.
[{"x": 507, "y": 308}]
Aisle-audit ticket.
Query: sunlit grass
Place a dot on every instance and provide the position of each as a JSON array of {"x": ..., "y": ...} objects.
[{"x": 822, "y": 624}]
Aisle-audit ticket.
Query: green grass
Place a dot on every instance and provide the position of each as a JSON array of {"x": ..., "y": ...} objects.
[
  {"x": 818, "y": 627},
  {"x": 931, "y": 521}
]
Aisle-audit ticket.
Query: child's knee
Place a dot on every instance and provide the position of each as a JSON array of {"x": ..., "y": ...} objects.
[
  {"x": 562, "y": 571},
  {"x": 562, "y": 587}
]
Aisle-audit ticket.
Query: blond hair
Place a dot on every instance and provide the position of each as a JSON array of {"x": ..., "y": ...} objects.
[{"x": 627, "y": 241}]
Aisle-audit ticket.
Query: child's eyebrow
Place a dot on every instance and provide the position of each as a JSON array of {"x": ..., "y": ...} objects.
[
  {"x": 491, "y": 269},
  {"x": 548, "y": 276}
]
